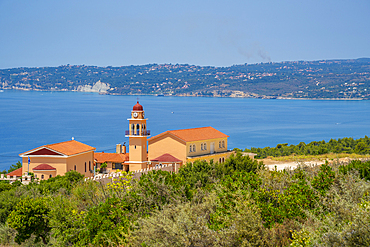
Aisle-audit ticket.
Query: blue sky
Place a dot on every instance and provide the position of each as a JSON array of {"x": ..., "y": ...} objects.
[{"x": 216, "y": 33}]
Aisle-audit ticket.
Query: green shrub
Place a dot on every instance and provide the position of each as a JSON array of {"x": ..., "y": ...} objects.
[
  {"x": 236, "y": 163},
  {"x": 363, "y": 168},
  {"x": 7, "y": 235},
  {"x": 324, "y": 179},
  {"x": 66, "y": 182},
  {"x": 30, "y": 217}
]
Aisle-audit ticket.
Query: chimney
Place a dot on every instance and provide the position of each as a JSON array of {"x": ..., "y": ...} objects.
[
  {"x": 123, "y": 148},
  {"x": 118, "y": 148}
]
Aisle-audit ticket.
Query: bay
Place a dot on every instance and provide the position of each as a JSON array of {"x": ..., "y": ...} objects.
[{"x": 29, "y": 119}]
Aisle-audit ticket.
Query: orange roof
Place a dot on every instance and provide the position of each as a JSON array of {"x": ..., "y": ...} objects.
[
  {"x": 44, "y": 167},
  {"x": 110, "y": 157},
  {"x": 17, "y": 172},
  {"x": 166, "y": 158},
  {"x": 195, "y": 134},
  {"x": 67, "y": 148}
]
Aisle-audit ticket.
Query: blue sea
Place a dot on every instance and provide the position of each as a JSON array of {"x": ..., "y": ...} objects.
[{"x": 30, "y": 119}]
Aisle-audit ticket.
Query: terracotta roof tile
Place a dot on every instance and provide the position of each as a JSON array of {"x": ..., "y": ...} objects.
[
  {"x": 17, "y": 172},
  {"x": 166, "y": 158},
  {"x": 110, "y": 157},
  {"x": 70, "y": 147},
  {"x": 44, "y": 167},
  {"x": 195, "y": 134},
  {"x": 67, "y": 148}
]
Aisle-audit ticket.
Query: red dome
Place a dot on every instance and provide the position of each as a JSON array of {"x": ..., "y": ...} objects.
[{"x": 138, "y": 107}]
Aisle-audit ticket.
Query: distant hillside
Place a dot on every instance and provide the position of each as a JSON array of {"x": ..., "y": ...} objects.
[{"x": 332, "y": 79}]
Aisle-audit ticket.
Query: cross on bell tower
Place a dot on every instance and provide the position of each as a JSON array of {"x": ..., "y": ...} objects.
[{"x": 137, "y": 134}]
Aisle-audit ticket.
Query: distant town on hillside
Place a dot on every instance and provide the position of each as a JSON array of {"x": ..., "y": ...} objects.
[{"x": 324, "y": 79}]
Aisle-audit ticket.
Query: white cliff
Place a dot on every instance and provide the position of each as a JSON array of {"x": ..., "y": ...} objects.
[{"x": 98, "y": 87}]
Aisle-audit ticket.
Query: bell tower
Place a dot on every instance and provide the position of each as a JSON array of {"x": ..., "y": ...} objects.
[{"x": 137, "y": 134}]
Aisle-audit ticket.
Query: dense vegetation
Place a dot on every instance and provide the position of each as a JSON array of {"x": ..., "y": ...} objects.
[
  {"x": 298, "y": 79},
  {"x": 237, "y": 203},
  {"x": 345, "y": 145}
]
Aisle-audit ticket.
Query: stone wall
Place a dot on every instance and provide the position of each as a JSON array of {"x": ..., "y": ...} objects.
[
  {"x": 26, "y": 179},
  {"x": 109, "y": 178}
]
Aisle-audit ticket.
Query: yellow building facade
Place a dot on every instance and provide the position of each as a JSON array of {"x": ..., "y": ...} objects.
[
  {"x": 188, "y": 145},
  {"x": 56, "y": 159}
]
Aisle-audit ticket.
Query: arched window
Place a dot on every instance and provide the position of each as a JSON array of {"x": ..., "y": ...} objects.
[
  {"x": 42, "y": 176},
  {"x": 219, "y": 144},
  {"x": 201, "y": 146},
  {"x": 50, "y": 176},
  {"x": 138, "y": 129},
  {"x": 220, "y": 160},
  {"x": 190, "y": 148},
  {"x": 205, "y": 146},
  {"x": 223, "y": 144},
  {"x": 133, "y": 129},
  {"x": 75, "y": 167},
  {"x": 223, "y": 159},
  {"x": 194, "y": 150}
]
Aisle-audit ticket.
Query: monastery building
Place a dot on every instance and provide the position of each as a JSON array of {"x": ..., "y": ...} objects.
[{"x": 170, "y": 147}]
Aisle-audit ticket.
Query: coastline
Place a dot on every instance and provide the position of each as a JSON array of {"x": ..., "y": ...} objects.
[{"x": 255, "y": 96}]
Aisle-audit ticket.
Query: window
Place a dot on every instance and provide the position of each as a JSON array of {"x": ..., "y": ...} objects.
[
  {"x": 203, "y": 146},
  {"x": 191, "y": 148},
  {"x": 85, "y": 167},
  {"x": 75, "y": 167},
  {"x": 223, "y": 144},
  {"x": 89, "y": 165},
  {"x": 117, "y": 166},
  {"x": 194, "y": 150},
  {"x": 50, "y": 176},
  {"x": 35, "y": 176},
  {"x": 219, "y": 144},
  {"x": 42, "y": 176}
]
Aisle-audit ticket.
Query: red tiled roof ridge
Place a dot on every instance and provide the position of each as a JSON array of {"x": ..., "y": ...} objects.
[
  {"x": 195, "y": 134},
  {"x": 205, "y": 127},
  {"x": 44, "y": 167},
  {"x": 166, "y": 158},
  {"x": 70, "y": 147},
  {"x": 17, "y": 172},
  {"x": 110, "y": 157},
  {"x": 82, "y": 145}
]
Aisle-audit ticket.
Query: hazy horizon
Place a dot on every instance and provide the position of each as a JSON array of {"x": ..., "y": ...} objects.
[{"x": 190, "y": 64}]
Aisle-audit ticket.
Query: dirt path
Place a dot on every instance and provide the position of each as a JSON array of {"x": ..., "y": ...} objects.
[{"x": 281, "y": 165}]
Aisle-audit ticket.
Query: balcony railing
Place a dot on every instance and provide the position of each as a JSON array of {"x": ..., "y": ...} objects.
[{"x": 137, "y": 133}]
